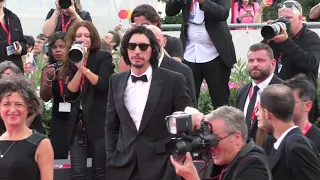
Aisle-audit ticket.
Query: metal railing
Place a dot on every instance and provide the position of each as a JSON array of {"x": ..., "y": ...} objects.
[{"x": 165, "y": 27}]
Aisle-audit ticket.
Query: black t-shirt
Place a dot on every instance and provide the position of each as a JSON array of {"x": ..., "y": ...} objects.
[
  {"x": 85, "y": 15},
  {"x": 174, "y": 47}
]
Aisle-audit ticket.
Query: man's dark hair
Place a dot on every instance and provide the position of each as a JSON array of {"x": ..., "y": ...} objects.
[
  {"x": 153, "y": 44},
  {"x": 301, "y": 84},
  {"x": 30, "y": 40},
  {"x": 279, "y": 100},
  {"x": 148, "y": 12},
  {"x": 262, "y": 46},
  {"x": 115, "y": 39}
]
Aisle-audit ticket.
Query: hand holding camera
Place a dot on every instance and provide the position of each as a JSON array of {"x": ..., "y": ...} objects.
[
  {"x": 50, "y": 72},
  {"x": 184, "y": 167},
  {"x": 277, "y": 30}
]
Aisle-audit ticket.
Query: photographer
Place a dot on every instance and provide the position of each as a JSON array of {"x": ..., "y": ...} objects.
[
  {"x": 296, "y": 48},
  {"x": 61, "y": 19},
  {"x": 52, "y": 87},
  {"x": 240, "y": 159},
  {"x": 87, "y": 90}
]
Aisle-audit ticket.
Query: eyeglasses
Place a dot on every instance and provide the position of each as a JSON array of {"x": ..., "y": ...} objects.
[
  {"x": 290, "y": 4},
  {"x": 142, "y": 46},
  {"x": 219, "y": 139}
]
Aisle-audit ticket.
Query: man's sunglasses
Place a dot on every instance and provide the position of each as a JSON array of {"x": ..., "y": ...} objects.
[
  {"x": 289, "y": 4},
  {"x": 142, "y": 46}
]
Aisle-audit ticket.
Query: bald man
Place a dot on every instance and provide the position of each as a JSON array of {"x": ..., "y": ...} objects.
[{"x": 174, "y": 65}]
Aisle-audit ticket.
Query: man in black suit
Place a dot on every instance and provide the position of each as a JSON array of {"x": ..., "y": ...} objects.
[
  {"x": 240, "y": 159},
  {"x": 139, "y": 101},
  {"x": 304, "y": 94},
  {"x": 207, "y": 42},
  {"x": 261, "y": 64},
  {"x": 293, "y": 156},
  {"x": 167, "y": 62}
]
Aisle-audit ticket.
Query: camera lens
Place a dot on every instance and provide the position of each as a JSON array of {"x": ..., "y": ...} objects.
[
  {"x": 65, "y": 4},
  {"x": 272, "y": 30}
]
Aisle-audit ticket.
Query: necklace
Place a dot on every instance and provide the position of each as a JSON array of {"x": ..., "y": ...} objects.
[{"x": 2, "y": 155}]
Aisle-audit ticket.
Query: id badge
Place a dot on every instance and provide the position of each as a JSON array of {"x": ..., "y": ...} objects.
[
  {"x": 279, "y": 67},
  {"x": 10, "y": 50},
  {"x": 65, "y": 107}
]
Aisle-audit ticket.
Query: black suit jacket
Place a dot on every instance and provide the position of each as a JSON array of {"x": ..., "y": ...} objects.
[
  {"x": 173, "y": 65},
  {"x": 94, "y": 97},
  {"x": 216, "y": 13},
  {"x": 314, "y": 135},
  {"x": 241, "y": 98},
  {"x": 125, "y": 145},
  {"x": 296, "y": 158}
]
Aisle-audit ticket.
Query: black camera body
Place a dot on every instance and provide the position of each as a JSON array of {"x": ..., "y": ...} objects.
[
  {"x": 185, "y": 140},
  {"x": 65, "y": 4},
  {"x": 271, "y": 30},
  {"x": 57, "y": 65}
]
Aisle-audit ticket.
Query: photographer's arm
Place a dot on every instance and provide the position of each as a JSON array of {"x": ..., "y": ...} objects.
[
  {"x": 112, "y": 125},
  {"x": 50, "y": 24},
  {"x": 218, "y": 8},
  {"x": 46, "y": 85},
  {"x": 173, "y": 7},
  {"x": 315, "y": 12},
  {"x": 307, "y": 59}
]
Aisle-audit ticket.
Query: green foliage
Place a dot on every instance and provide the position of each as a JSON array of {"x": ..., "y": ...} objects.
[
  {"x": 204, "y": 101},
  {"x": 177, "y": 19}
]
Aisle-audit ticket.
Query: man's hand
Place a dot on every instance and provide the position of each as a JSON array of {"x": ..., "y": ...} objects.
[
  {"x": 281, "y": 37},
  {"x": 196, "y": 120},
  {"x": 200, "y": 1},
  {"x": 19, "y": 48},
  {"x": 185, "y": 168}
]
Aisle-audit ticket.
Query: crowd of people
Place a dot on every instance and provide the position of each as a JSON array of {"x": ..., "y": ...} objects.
[{"x": 118, "y": 119}]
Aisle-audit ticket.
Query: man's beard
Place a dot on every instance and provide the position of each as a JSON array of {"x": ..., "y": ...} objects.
[
  {"x": 138, "y": 66},
  {"x": 261, "y": 75}
]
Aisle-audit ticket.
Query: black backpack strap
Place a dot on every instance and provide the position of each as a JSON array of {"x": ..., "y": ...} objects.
[{"x": 255, "y": 155}]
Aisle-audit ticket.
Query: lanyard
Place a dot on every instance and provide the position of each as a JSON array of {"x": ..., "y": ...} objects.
[
  {"x": 306, "y": 129},
  {"x": 222, "y": 173},
  {"x": 8, "y": 31},
  {"x": 255, "y": 109},
  {"x": 62, "y": 90},
  {"x": 192, "y": 6},
  {"x": 65, "y": 26}
]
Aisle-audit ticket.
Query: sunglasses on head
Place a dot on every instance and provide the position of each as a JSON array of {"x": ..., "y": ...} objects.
[
  {"x": 142, "y": 46},
  {"x": 289, "y": 4}
]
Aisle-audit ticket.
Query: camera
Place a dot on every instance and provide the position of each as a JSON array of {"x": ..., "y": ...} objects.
[
  {"x": 65, "y": 4},
  {"x": 76, "y": 52},
  {"x": 271, "y": 30},
  {"x": 185, "y": 140},
  {"x": 57, "y": 65}
]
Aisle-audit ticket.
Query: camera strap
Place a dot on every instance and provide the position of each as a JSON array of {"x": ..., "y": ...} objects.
[{"x": 7, "y": 30}]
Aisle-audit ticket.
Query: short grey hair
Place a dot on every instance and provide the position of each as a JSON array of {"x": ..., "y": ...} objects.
[{"x": 233, "y": 118}]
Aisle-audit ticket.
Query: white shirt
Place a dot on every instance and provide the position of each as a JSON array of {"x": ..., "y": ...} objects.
[
  {"x": 261, "y": 86},
  {"x": 161, "y": 58},
  {"x": 136, "y": 95},
  {"x": 199, "y": 48},
  {"x": 278, "y": 142}
]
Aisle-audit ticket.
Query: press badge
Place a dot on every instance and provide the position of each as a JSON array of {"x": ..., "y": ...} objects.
[
  {"x": 65, "y": 107},
  {"x": 10, "y": 50}
]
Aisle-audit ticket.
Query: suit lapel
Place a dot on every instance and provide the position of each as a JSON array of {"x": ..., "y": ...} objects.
[
  {"x": 120, "y": 90},
  {"x": 281, "y": 149},
  {"x": 153, "y": 97},
  {"x": 243, "y": 98}
]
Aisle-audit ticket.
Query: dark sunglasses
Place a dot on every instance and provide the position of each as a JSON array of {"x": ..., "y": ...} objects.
[
  {"x": 289, "y": 4},
  {"x": 142, "y": 46}
]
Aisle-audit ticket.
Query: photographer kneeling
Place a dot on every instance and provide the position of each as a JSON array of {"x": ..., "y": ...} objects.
[{"x": 240, "y": 159}]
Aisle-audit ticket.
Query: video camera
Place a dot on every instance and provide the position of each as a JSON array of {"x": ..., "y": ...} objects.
[
  {"x": 271, "y": 30},
  {"x": 185, "y": 140}
]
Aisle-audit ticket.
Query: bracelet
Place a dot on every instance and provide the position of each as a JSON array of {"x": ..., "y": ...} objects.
[
  {"x": 56, "y": 12},
  {"x": 87, "y": 71},
  {"x": 48, "y": 85},
  {"x": 50, "y": 80}
]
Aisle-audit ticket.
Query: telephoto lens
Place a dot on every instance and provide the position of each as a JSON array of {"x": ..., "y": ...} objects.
[
  {"x": 65, "y": 4},
  {"x": 76, "y": 52},
  {"x": 271, "y": 30}
]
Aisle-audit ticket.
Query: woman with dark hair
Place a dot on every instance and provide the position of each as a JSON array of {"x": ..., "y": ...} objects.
[
  {"x": 24, "y": 153},
  {"x": 13, "y": 45},
  {"x": 87, "y": 90},
  {"x": 52, "y": 87},
  {"x": 61, "y": 19},
  {"x": 34, "y": 121}
]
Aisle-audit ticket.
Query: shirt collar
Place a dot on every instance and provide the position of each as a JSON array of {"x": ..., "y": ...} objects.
[
  {"x": 148, "y": 73},
  {"x": 264, "y": 83},
  {"x": 278, "y": 142},
  {"x": 160, "y": 58}
]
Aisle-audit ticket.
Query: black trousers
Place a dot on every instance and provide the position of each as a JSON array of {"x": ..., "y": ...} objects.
[
  {"x": 79, "y": 159},
  {"x": 217, "y": 75}
]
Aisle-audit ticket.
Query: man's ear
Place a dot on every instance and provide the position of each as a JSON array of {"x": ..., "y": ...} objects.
[
  {"x": 164, "y": 40},
  {"x": 308, "y": 106}
]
